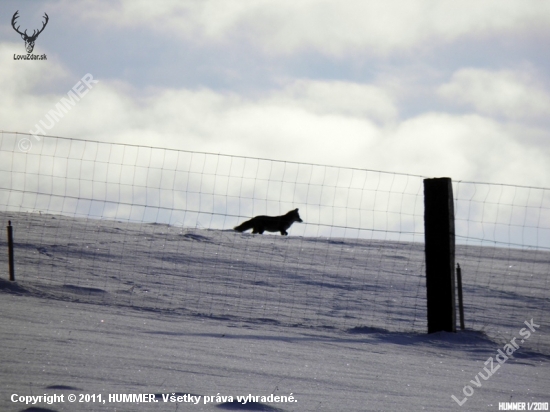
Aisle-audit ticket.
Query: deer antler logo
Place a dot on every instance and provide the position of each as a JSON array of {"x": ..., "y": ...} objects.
[{"x": 29, "y": 40}]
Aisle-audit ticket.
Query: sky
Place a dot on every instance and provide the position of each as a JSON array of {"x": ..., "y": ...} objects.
[{"x": 434, "y": 88}]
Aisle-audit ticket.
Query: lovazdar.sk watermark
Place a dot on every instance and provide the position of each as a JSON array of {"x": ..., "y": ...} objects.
[
  {"x": 501, "y": 357},
  {"x": 29, "y": 39}
]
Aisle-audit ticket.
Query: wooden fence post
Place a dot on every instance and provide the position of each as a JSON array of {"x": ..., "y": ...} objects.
[{"x": 439, "y": 232}]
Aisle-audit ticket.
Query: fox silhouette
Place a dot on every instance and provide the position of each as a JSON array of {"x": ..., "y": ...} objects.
[{"x": 260, "y": 224}]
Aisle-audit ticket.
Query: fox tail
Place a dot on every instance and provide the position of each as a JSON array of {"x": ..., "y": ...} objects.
[{"x": 244, "y": 226}]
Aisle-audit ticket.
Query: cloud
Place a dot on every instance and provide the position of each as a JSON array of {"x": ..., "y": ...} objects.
[
  {"x": 327, "y": 122},
  {"x": 25, "y": 87},
  {"x": 508, "y": 93},
  {"x": 21, "y": 77},
  {"x": 275, "y": 126},
  {"x": 338, "y": 97},
  {"x": 329, "y": 27},
  {"x": 463, "y": 147}
]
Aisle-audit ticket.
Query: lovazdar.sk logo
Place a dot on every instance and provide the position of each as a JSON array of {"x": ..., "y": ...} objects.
[{"x": 29, "y": 40}]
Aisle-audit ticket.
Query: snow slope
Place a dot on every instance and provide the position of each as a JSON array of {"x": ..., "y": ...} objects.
[{"x": 107, "y": 307}]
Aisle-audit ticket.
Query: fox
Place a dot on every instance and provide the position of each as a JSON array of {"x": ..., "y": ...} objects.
[{"x": 259, "y": 224}]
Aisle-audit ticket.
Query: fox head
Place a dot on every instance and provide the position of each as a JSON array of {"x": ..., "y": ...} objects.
[{"x": 295, "y": 216}]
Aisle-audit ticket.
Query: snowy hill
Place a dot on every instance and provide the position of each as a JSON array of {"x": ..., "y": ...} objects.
[{"x": 108, "y": 307}]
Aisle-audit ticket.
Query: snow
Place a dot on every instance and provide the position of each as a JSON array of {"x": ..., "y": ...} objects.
[{"x": 109, "y": 307}]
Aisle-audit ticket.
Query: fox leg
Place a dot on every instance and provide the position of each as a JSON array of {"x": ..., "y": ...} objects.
[{"x": 284, "y": 233}]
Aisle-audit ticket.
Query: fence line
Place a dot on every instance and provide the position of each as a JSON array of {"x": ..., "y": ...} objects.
[
  {"x": 93, "y": 179},
  {"x": 102, "y": 222}
]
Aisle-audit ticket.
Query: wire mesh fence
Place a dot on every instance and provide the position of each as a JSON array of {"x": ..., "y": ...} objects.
[
  {"x": 151, "y": 228},
  {"x": 204, "y": 190},
  {"x": 503, "y": 232}
]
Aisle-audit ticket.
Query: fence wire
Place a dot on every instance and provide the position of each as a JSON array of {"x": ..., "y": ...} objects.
[{"x": 151, "y": 228}]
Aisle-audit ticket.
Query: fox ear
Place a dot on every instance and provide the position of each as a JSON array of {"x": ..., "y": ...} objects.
[{"x": 296, "y": 209}]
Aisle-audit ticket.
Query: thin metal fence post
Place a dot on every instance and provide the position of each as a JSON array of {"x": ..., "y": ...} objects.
[
  {"x": 459, "y": 287},
  {"x": 10, "y": 251}
]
